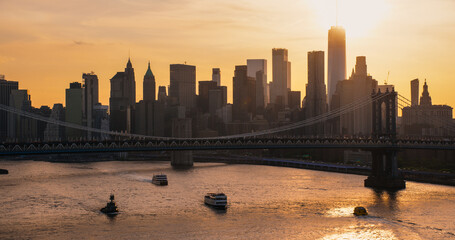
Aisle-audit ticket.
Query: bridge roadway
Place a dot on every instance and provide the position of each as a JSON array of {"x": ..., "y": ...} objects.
[{"x": 132, "y": 145}]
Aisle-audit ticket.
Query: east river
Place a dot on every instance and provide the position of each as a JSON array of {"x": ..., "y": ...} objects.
[{"x": 43, "y": 200}]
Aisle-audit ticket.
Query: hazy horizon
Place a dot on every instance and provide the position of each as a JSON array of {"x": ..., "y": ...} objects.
[{"x": 50, "y": 44}]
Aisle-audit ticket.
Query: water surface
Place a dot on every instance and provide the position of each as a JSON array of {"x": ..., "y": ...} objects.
[{"x": 42, "y": 200}]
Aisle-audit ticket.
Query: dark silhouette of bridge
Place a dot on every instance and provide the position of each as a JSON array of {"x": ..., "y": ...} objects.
[{"x": 383, "y": 143}]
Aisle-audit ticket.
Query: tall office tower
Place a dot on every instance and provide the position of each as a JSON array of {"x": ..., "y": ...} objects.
[
  {"x": 183, "y": 85},
  {"x": 281, "y": 82},
  {"x": 216, "y": 76},
  {"x": 54, "y": 132},
  {"x": 294, "y": 99},
  {"x": 149, "y": 85},
  {"x": 21, "y": 128},
  {"x": 162, "y": 94},
  {"x": 415, "y": 92},
  {"x": 425, "y": 99},
  {"x": 316, "y": 98},
  {"x": 203, "y": 98},
  {"x": 123, "y": 99},
  {"x": 244, "y": 94},
  {"x": 73, "y": 112},
  {"x": 336, "y": 59},
  {"x": 5, "y": 91},
  {"x": 89, "y": 99},
  {"x": 257, "y": 69},
  {"x": 359, "y": 86}
]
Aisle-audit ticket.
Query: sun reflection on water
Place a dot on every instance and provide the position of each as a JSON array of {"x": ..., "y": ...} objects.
[
  {"x": 368, "y": 231},
  {"x": 341, "y": 212}
]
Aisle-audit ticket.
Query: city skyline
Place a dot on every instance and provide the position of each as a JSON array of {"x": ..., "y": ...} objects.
[{"x": 412, "y": 54}]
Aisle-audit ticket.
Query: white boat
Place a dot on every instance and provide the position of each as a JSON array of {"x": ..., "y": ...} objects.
[
  {"x": 160, "y": 179},
  {"x": 217, "y": 200}
]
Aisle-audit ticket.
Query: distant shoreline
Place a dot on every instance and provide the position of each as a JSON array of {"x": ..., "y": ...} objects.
[{"x": 409, "y": 175}]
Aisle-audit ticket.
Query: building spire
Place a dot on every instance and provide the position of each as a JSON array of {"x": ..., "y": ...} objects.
[
  {"x": 149, "y": 73},
  {"x": 129, "y": 65}
]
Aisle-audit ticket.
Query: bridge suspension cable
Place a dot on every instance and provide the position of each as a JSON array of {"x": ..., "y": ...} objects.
[{"x": 358, "y": 103}]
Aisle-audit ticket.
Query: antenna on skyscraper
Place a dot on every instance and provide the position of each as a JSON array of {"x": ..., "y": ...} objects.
[{"x": 336, "y": 20}]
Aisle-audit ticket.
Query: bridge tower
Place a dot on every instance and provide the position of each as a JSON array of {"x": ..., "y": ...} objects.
[{"x": 384, "y": 170}]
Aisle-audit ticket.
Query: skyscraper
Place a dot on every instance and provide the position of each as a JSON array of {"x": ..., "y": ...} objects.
[
  {"x": 336, "y": 59},
  {"x": 123, "y": 99},
  {"x": 162, "y": 95},
  {"x": 149, "y": 85},
  {"x": 216, "y": 76},
  {"x": 204, "y": 88},
  {"x": 244, "y": 91},
  {"x": 73, "y": 112},
  {"x": 281, "y": 84},
  {"x": 257, "y": 69},
  {"x": 183, "y": 85},
  {"x": 415, "y": 92},
  {"x": 5, "y": 90},
  {"x": 360, "y": 85},
  {"x": 316, "y": 98},
  {"x": 89, "y": 98}
]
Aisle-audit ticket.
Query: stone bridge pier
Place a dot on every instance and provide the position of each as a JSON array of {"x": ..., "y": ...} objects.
[
  {"x": 384, "y": 171},
  {"x": 181, "y": 127}
]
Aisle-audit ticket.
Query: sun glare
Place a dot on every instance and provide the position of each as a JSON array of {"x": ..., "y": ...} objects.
[{"x": 358, "y": 17}]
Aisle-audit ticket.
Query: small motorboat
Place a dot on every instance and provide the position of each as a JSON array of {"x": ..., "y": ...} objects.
[
  {"x": 216, "y": 200},
  {"x": 111, "y": 208},
  {"x": 360, "y": 211},
  {"x": 160, "y": 179}
]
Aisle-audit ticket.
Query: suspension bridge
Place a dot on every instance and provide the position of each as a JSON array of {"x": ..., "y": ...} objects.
[{"x": 382, "y": 143}]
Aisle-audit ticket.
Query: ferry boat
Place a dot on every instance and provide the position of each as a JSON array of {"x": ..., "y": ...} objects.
[
  {"x": 111, "y": 208},
  {"x": 360, "y": 211},
  {"x": 217, "y": 200},
  {"x": 160, "y": 179}
]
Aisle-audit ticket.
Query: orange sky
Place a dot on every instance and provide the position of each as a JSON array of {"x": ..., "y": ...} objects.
[{"x": 47, "y": 44}]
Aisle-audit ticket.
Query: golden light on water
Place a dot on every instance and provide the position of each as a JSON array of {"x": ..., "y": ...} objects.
[
  {"x": 363, "y": 232},
  {"x": 358, "y": 17},
  {"x": 341, "y": 212}
]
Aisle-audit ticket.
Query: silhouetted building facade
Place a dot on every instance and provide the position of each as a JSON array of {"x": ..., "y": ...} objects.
[
  {"x": 316, "y": 98},
  {"x": 281, "y": 82},
  {"x": 294, "y": 99},
  {"x": 21, "y": 129},
  {"x": 203, "y": 98},
  {"x": 123, "y": 99},
  {"x": 5, "y": 91},
  {"x": 257, "y": 69},
  {"x": 336, "y": 59},
  {"x": 162, "y": 95},
  {"x": 216, "y": 76},
  {"x": 54, "y": 132},
  {"x": 183, "y": 85},
  {"x": 73, "y": 112},
  {"x": 89, "y": 99},
  {"x": 427, "y": 119},
  {"x": 244, "y": 95},
  {"x": 415, "y": 92},
  {"x": 149, "y": 85},
  {"x": 359, "y": 86}
]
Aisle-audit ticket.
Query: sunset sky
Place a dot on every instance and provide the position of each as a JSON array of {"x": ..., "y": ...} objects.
[{"x": 46, "y": 44}]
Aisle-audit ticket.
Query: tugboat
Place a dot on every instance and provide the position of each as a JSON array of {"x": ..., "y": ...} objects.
[
  {"x": 360, "y": 211},
  {"x": 160, "y": 180},
  {"x": 216, "y": 200},
  {"x": 111, "y": 208}
]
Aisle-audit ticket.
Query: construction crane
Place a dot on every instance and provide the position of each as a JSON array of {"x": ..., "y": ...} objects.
[{"x": 387, "y": 79}]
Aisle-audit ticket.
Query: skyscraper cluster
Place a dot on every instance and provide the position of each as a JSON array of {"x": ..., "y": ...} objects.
[{"x": 190, "y": 108}]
